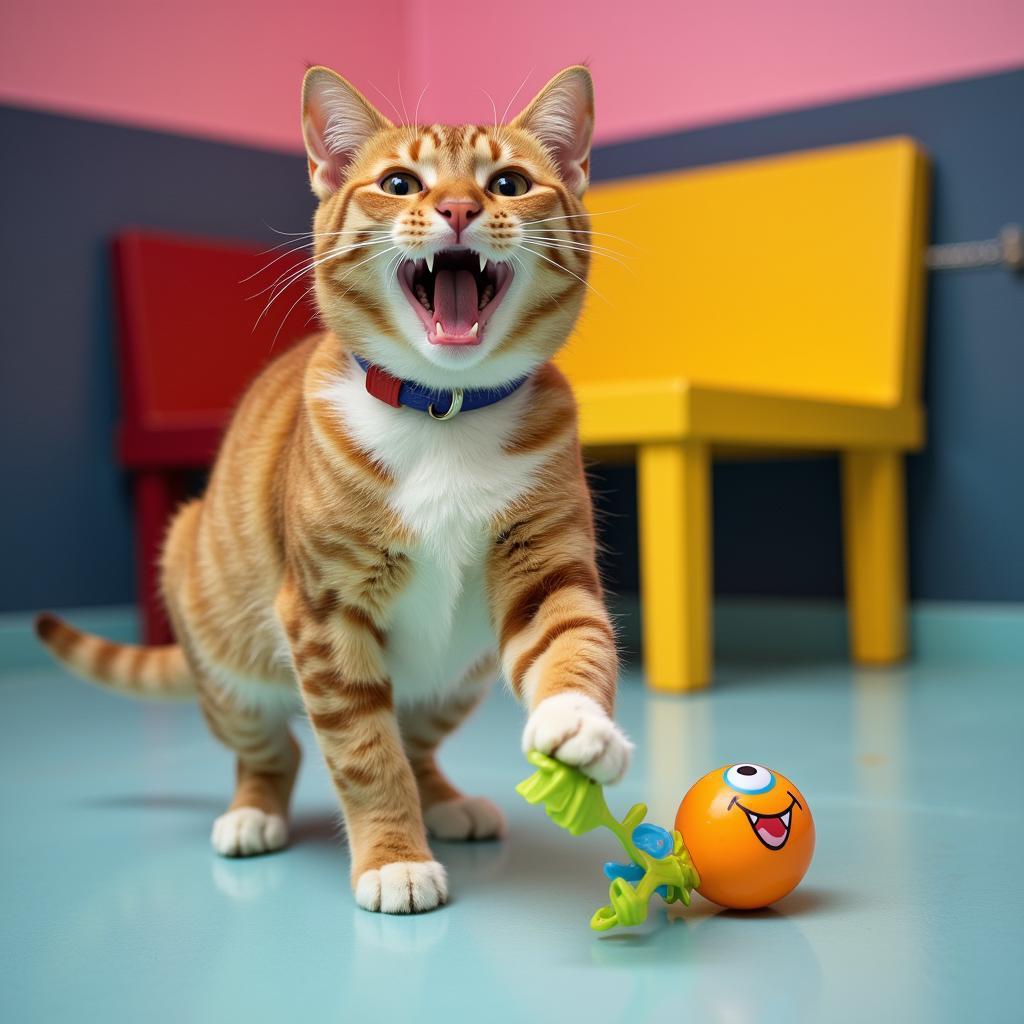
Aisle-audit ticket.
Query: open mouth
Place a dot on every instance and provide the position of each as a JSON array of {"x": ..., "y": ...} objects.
[
  {"x": 771, "y": 829},
  {"x": 454, "y": 292}
]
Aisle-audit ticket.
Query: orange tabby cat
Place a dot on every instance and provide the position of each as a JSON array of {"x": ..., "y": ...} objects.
[{"x": 400, "y": 500}]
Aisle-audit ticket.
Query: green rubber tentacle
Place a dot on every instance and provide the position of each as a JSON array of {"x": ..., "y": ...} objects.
[{"x": 577, "y": 804}]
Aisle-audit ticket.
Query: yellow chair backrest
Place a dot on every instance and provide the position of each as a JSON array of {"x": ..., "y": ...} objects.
[{"x": 794, "y": 275}]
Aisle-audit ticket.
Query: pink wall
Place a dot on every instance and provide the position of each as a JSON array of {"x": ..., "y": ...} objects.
[
  {"x": 663, "y": 64},
  {"x": 231, "y": 69},
  {"x": 224, "y": 68}
]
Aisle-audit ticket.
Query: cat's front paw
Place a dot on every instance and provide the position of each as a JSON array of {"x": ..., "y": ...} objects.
[
  {"x": 247, "y": 832},
  {"x": 574, "y": 728},
  {"x": 466, "y": 817},
  {"x": 406, "y": 887}
]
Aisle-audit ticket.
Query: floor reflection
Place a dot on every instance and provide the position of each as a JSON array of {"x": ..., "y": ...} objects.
[{"x": 680, "y": 733}]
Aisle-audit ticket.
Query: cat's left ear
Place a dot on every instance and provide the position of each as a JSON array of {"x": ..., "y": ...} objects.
[
  {"x": 562, "y": 117},
  {"x": 336, "y": 120}
]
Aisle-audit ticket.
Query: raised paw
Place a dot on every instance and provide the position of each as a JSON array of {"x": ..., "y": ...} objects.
[
  {"x": 465, "y": 817},
  {"x": 573, "y": 728},
  {"x": 248, "y": 831},
  {"x": 406, "y": 887}
]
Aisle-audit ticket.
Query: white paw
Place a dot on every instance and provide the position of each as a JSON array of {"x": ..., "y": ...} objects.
[
  {"x": 573, "y": 728},
  {"x": 467, "y": 817},
  {"x": 403, "y": 888},
  {"x": 247, "y": 831}
]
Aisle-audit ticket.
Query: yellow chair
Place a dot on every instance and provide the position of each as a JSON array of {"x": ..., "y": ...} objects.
[{"x": 771, "y": 305}]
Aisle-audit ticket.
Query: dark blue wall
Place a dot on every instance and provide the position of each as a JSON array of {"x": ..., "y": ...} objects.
[{"x": 68, "y": 185}]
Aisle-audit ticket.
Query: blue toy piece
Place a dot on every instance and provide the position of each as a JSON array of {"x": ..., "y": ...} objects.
[{"x": 652, "y": 840}]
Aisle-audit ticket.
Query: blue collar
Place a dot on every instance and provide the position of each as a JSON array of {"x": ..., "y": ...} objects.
[{"x": 439, "y": 403}]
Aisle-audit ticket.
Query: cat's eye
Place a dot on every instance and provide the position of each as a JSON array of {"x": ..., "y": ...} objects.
[
  {"x": 509, "y": 183},
  {"x": 401, "y": 183}
]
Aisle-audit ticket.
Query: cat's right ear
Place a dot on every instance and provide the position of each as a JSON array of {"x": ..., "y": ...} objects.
[{"x": 336, "y": 120}]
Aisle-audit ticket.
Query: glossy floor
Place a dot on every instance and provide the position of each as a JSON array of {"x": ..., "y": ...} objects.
[{"x": 115, "y": 909}]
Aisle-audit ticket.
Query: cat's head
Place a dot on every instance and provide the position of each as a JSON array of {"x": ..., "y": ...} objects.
[{"x": 450, "y": 255}]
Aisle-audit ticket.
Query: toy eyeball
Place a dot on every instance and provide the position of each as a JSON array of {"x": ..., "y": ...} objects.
[
  {"x": 749, "y": 778},
  {"x": 750, "y": 834}
]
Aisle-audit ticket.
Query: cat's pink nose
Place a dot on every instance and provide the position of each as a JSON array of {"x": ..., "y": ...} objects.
[{"x": 458, "y": 213}]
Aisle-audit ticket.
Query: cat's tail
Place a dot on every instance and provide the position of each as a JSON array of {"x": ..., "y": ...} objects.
[{"x": 160, "y": 672}]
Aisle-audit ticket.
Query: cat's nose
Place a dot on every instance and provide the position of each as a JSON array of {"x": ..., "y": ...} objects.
[{"x": 459, "y": 213}]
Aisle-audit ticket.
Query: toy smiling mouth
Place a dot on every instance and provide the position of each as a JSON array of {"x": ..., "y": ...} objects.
[
  {"x": 454, "y": 292},
  {"x": 771, "y": 829}
]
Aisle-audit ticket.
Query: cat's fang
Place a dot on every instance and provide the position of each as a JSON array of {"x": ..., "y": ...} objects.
[{"x": 454, "y": 293}]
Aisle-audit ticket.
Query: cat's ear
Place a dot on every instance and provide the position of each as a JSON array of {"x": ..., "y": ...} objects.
[
  {"x": 561, "y": 115},
  {"x": 336, "y": 120}
]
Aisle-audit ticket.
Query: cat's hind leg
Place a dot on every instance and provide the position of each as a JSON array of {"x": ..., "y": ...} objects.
[
  {"x": 447, "y": 812},
  {"x": 267, "y": 762}
]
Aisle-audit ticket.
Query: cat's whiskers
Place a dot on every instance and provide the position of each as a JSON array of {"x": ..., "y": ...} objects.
[
  {"x": 299, "y": 248},
  {"x": 309, "y": 239},
  {"x": 416, "y": 112},
  {"x": 571, "y": 243},
  {"x": 582, "y": 216},
  {"x": 284, "y": 319},
  {"x": 305, "y": 291},
  {"x": 576, "y": 230},
  {"x": 290, "y": 276},
  {"x": 369, "y": 259},
  {"x": 393, "y": 264},
  {"x": 398, "y": 113},
  {"x": 500, "y": 129},
  {"x": 572, "y": 232},
  {"x": 306, "y": 234},
  {"x": 296, "y": 275},
  {"x": 565, "y": 270},
  {"x": 494, "y": 109},
  {"x": 581, "y": 249}
]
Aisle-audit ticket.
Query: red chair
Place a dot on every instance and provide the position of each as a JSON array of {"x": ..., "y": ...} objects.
[{"x": 189, "y": 344}]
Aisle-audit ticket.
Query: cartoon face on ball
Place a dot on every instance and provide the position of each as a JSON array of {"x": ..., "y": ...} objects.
[{"x": 750, "y": 834}]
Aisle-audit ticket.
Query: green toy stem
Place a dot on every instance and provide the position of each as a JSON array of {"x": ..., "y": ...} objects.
[{"x": 577, "y": 804}]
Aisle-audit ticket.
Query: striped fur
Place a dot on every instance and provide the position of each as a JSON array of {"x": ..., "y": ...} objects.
[
  {"x": 373, "y": 565},
  {"x": 161, "y": 672}
]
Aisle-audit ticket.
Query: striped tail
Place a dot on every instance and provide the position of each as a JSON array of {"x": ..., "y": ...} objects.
[{"x": 160, "y": 672}]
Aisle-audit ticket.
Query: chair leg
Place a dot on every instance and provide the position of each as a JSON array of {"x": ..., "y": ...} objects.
[
  {"x": 674, "y": 495},
  {"x": 874, "y": 528},
  {"x": 156, "y": 495}
]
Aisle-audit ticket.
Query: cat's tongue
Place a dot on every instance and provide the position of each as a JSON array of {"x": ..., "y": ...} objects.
[{"x": 455, "y": 307}]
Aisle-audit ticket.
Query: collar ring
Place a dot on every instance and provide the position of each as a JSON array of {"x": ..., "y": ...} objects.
[{"x": 453, "y": 409}]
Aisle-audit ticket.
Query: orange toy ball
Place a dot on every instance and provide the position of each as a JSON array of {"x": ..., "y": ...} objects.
[{"x": 750, "y": 835}]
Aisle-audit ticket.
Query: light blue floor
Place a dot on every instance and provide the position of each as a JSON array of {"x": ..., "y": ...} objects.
[{"x": 115, "y": 909}]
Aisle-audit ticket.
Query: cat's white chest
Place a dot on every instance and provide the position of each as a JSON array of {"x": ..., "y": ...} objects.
[{"x": 451, "y": 479}]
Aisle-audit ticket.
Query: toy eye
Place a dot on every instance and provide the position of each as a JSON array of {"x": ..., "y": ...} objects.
[
  {"x": 509, "y": 183},
  {"x": 749, "y": 778},
  {"x": 401, "y": 183}
]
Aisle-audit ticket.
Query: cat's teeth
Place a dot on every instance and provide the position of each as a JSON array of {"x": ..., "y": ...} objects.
[
  {"x": 430, "y": 263},
  {"x": 483, "y": 263},
  {"x": 439, "y": 328},
  {"x": 474, "y": 329}
]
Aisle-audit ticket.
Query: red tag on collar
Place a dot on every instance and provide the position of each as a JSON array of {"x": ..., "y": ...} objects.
[{"x": 383, "y": 386}]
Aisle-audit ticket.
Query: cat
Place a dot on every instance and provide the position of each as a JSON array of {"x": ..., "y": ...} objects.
[{"x": 398, "y": 509}]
